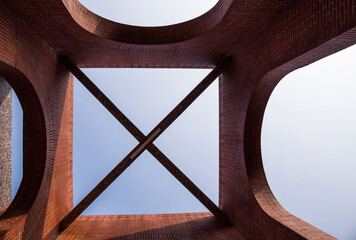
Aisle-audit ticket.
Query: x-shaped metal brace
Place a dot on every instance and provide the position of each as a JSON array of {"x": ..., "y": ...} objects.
[{"x": 145, "y": 142}]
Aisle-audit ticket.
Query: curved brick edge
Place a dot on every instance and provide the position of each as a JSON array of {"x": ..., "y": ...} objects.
[
  {"x": 34, "y": 152},
  {"x": 146, "y": 35},
  {"x": 254, "y": 119},
  {"x": 45, "y": 91},
  {"x": 286, "y": 43},
  {"x": 301, "y": 27}
]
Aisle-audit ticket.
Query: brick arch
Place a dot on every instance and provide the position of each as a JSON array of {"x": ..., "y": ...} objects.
[
  {"x": 34, "y": 146},
  {"x": 146, "y": 35},
  {"x": 262, "y": 35},
  {"x": 253, "y": 127}
]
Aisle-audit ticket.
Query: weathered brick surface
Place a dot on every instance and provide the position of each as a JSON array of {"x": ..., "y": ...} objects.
[{"x": 267, "y": 39}]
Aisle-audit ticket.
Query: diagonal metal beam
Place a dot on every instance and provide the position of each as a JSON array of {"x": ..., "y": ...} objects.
[
  {"x": 145, "y": 142},
  {"x": 180, "y": 176},
  {"x": 188, "y": 184}
]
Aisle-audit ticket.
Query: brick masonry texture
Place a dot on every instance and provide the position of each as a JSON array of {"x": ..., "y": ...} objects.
[
  {"x": 266, "y": 38},
  {"x": 125, "y": 163},
  {"x": 5, "y": 143}
]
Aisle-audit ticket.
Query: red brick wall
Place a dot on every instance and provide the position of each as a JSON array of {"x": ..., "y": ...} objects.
[
  {"x": 301, "y": 34},
  {"x": 267, "y": 39},
  {"x": 187, "y": 226},
  {"x": 45, "y": 92}
]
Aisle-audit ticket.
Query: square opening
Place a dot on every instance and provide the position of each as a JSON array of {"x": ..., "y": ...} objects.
[{"x": 145, "y": 96}]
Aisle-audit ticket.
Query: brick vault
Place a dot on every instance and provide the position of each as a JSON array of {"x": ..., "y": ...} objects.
[{"x": 250, "y": 44}]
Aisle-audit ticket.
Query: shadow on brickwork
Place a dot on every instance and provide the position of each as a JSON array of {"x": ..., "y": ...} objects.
[{"x": 144, "y": 236}]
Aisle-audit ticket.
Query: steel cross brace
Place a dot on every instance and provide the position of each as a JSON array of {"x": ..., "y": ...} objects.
[{"x": 145, "y": 142}]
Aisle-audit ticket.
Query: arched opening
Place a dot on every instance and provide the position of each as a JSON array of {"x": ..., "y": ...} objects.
[
  {"x": 11, "y": 143},
  {"x": 149, "y": 13},
  {"x": 34, "y": 146},
  {"x": 307, "y": 143}
]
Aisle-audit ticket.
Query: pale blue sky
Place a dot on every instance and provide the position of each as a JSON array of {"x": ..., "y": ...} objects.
[
  {"x": 149, "y": 13},
  {"x": 17, "y": 144},
  {"x": 308, "y": 143},
  {"x": 145, "y": 96},
  {"x": 307, "y": 137}
]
